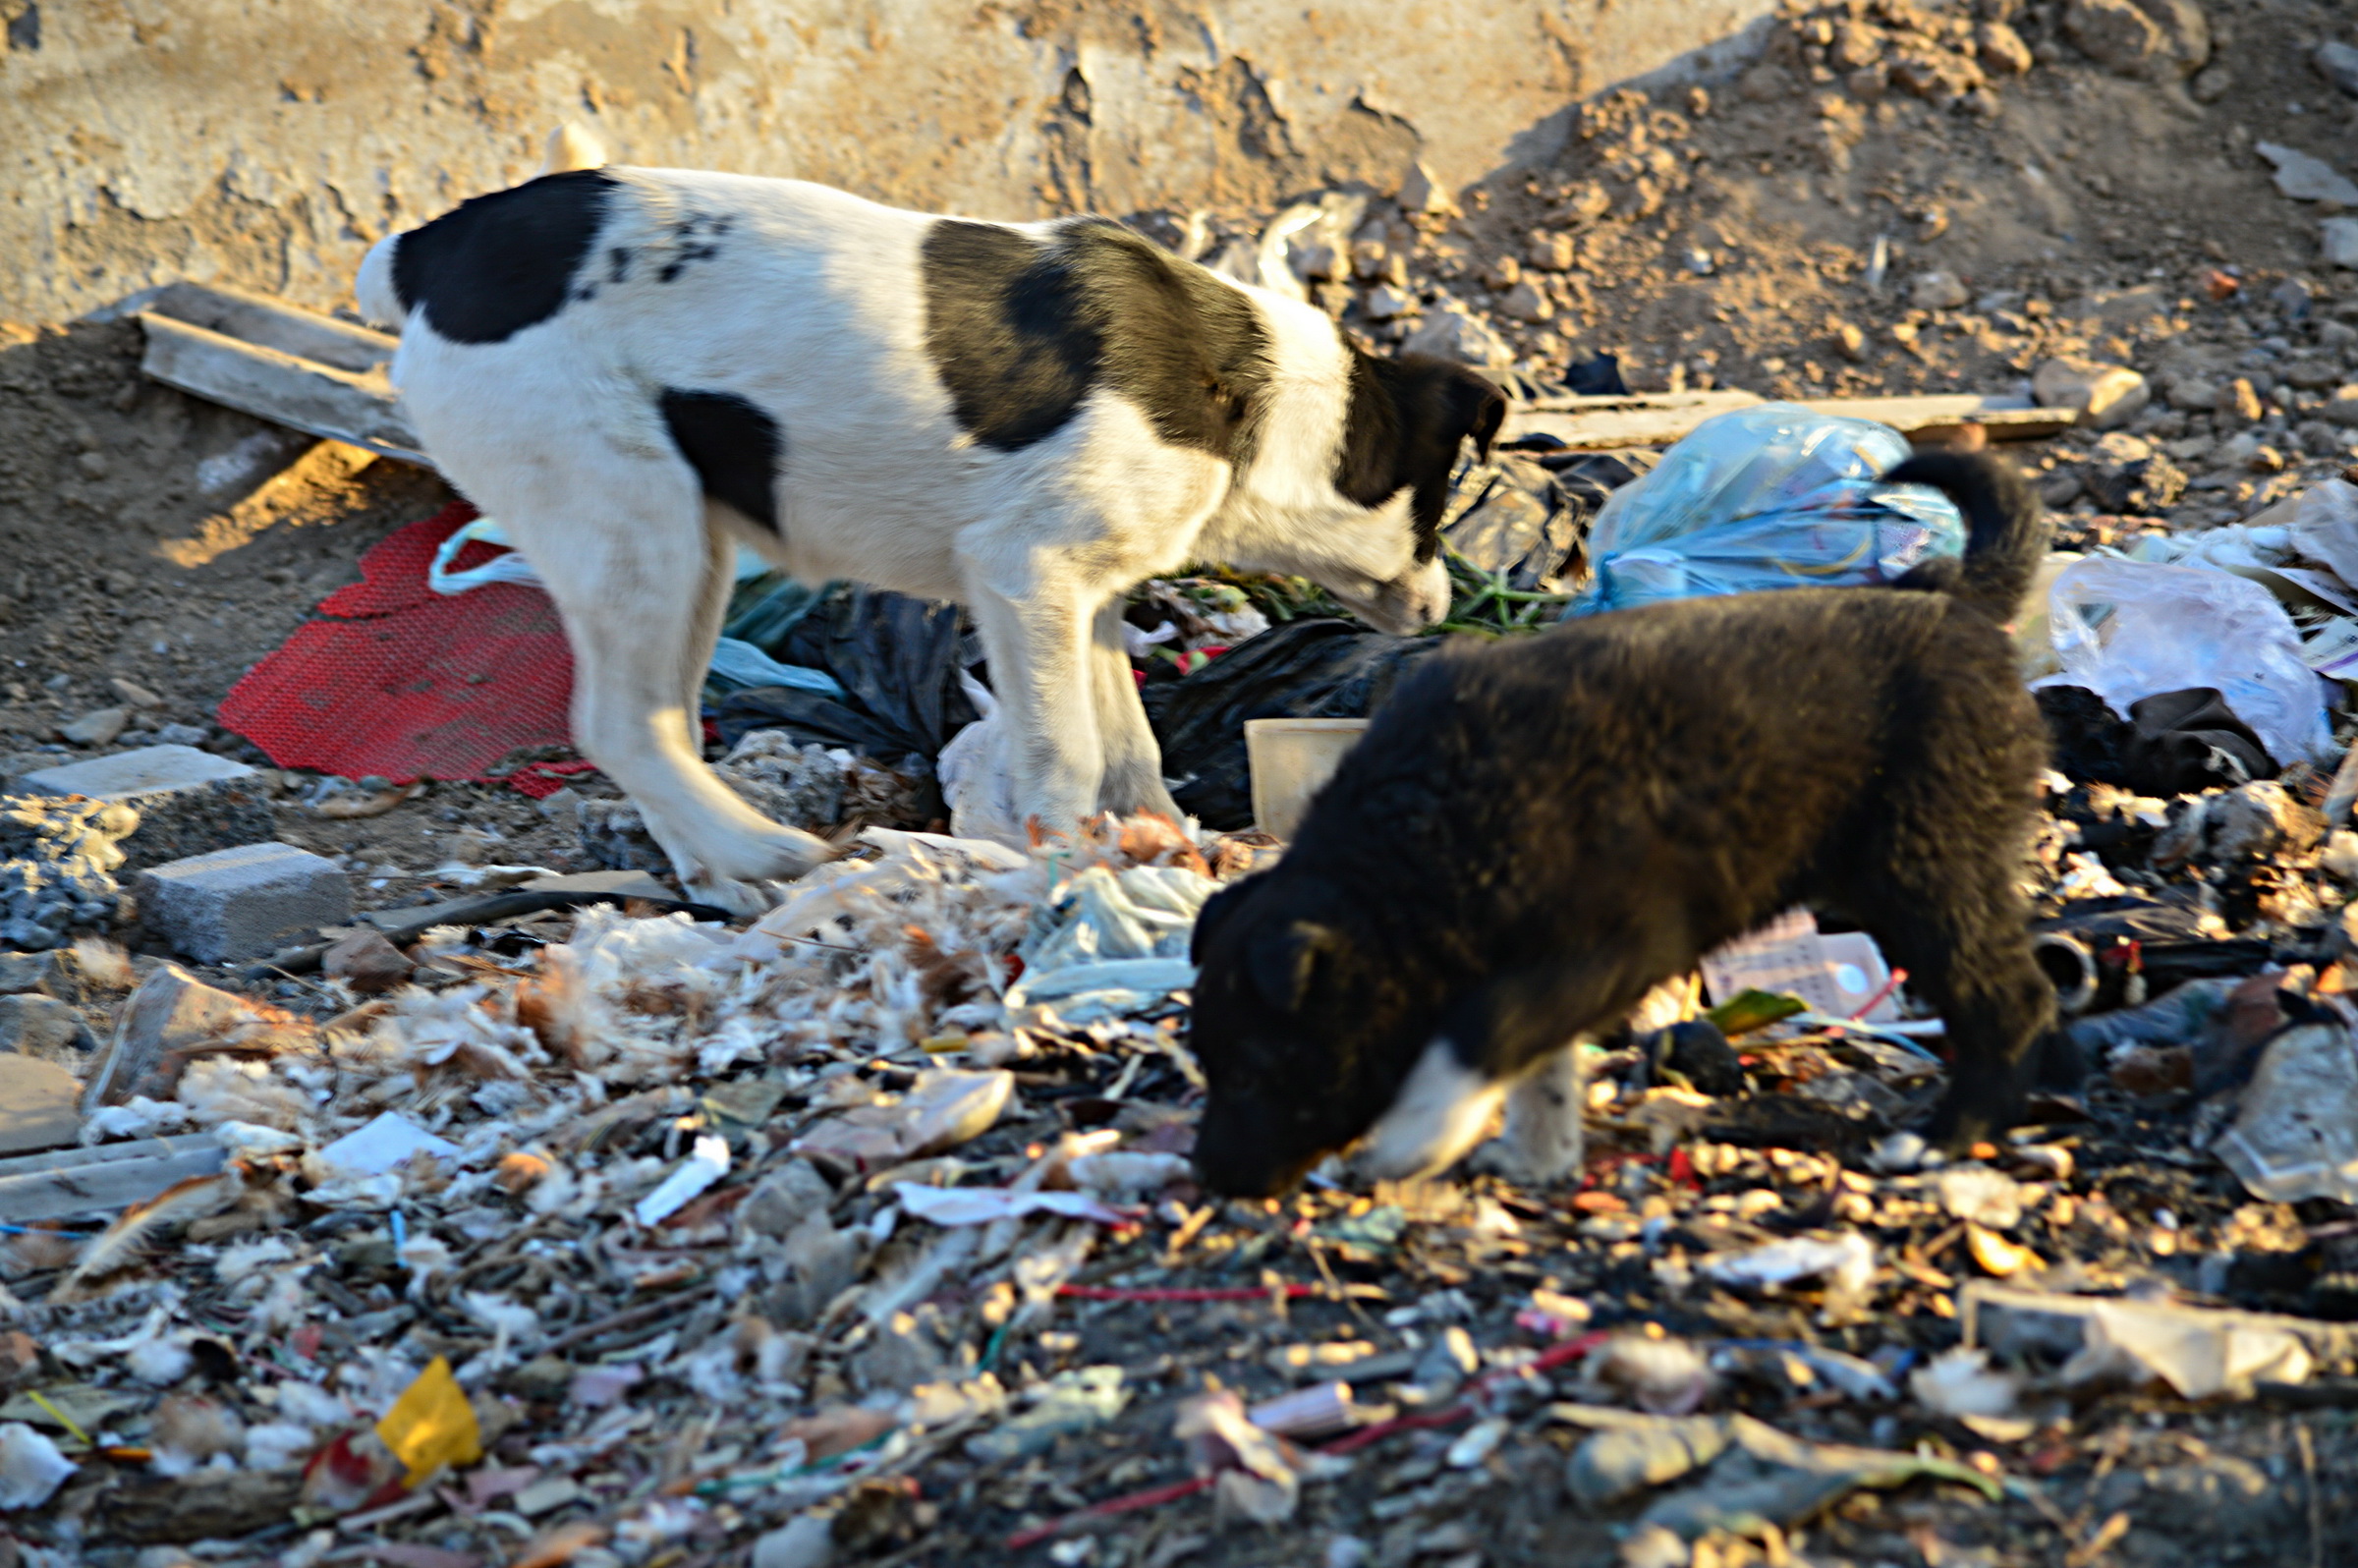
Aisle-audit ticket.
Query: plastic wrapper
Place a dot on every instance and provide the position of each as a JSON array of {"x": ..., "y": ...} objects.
[
  {"x": 1767, "y": 497},
  {"x": 2127, "y": 630}
]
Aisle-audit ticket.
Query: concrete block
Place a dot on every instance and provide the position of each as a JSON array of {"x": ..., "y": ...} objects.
[
  {"x": 242, "y": 903},
  {"x": 189, "y": 802}
]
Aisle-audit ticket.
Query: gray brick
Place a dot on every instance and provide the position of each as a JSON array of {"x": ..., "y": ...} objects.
[
  {"x": 188, "y": 801},
  {"x": 242, "y": 903}
]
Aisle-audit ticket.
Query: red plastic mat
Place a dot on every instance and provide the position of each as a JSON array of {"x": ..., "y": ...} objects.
[{"x": 398, "y": 681}]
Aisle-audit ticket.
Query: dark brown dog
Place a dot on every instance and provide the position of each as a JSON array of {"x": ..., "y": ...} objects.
[{"x": 1533, "y": 833}]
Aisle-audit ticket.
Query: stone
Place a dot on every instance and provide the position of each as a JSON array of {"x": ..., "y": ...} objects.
[
  {"x": 2241, "y": 400},
  {"x": 1550, "y": 253},
  {"x": 2294, "y": 297},
  {"x": 22, "y": 971},
  {"x": 1386, "y": 303},
  {"x": 171, "y": 1011},
  {"x": 1449, "y": 332},
  {"x": 2341, "y": 407},
  {"x": 37, "y": 1105},
  {"x": 1937, "y": 290},
  {"x": 2193, "y": 393},
  {"x": 134, "y": 692},
  {"x": 188, "y": 801},
  {"x": 97, "y": 727},
  {"x": 1422, "y": 192},
  {"x": 2311, "y": 375},
  {"x": 367, "y": 964},
  {"x": 33, "y": 1025},
  {"x": 2126, "y": 475},
  {"x": 2002, "y": 48},
  {"x": 2337, "y": 63},
  {"x": 2338, "y": 242},
  {"x": 2107, "y": 396},
  {"x": 2307, "y": 179},
  {"x": 2162, "y": 40},
  {"x": 242, "y": 903},
  {"x": 1525, "y": 303}
]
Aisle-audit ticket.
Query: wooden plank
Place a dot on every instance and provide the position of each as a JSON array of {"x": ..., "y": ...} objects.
[
  {"x": 274, "y": 324},
  {"x": 71, "y": 1188},
  {"x": 1598, "y": 423},
  {"x": 99, "y": 1153},
  {"x": 2005, "y": 418},
  {"x": 358, "y": 408}
]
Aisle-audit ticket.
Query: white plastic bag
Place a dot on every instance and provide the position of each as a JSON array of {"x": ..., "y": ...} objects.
[
  {"x": 2127, "y": 630},
  {"x": 978, "y": 786}
]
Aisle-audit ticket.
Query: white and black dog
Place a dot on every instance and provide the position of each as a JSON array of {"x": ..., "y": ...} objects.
[{"x": 634, "y": 368}]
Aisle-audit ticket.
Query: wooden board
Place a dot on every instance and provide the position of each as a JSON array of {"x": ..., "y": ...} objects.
[
  {"x": 66, "y": 1184},
  {"x": 269, "y": 324},
  {"x": 1600, "y": 423},
  {"x": 358, "y": 406}
]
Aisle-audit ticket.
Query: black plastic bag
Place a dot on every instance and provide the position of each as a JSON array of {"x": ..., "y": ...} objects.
[
  {"x": 897, "y": 659},
  {"x": 2173, "y": 743},
  {"x": 1322, "y": 668}
]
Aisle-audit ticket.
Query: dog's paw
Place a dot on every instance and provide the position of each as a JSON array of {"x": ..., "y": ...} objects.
[{"x": 1530, "y": 1168}]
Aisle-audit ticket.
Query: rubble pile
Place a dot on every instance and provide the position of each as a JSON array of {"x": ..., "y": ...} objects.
[{"x": 57, "y": 860}]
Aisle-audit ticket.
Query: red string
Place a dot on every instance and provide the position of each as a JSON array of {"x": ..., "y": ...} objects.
[{"x": 1233, "y": 1293}]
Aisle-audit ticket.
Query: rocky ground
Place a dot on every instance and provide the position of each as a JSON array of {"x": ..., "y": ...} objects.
[{"x": 1900, "y": 197}]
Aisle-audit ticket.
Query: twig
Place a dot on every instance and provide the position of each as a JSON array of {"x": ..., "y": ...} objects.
[
  {"x": 2317, "y": 1513},
  {"x": 630, "y": 1317}
]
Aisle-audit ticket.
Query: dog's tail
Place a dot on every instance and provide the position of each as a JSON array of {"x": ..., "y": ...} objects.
[{"x": 2005, "y": 532}]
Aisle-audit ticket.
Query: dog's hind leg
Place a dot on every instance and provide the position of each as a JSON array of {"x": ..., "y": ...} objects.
[
  {"x": 620, "y": 539},
  {"x": 1133, "y": 780},
  {"x": 1955, "y": 921}
]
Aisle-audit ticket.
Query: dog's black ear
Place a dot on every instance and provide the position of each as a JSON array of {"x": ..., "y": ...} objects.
[
  {"x": 1284, "y": 964},
  {"x": 1217, "y": 910},
  {"x": 1480, "y": 408}
]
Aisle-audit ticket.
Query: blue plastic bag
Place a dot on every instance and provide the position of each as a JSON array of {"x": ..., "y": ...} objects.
[{"x": 1768, "y": 497}]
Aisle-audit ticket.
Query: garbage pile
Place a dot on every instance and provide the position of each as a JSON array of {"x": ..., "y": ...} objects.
[
  {"x": 527, "y": 1229},
  {"x": 867, "y": 1231}
]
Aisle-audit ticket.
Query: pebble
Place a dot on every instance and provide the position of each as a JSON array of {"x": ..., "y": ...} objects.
[
  {"x": 2343, "y": 408},
  {"x": 1388, "y": 303},
  {"x": 1937, "y": 290},
  {"x": 2337, "y": 63},
  {"x": 2105, "y": 395},
  {"x": 99, "y": 727},
  {"x": 1525, "y": 303},
  {"x": 2307, "y": 179},
  {"x": 1451, "y": 333},
  {"x": 2338, "y": 242}
]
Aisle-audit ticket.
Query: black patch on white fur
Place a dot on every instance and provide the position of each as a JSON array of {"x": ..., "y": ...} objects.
[
  {"x": 1020, "y": 330},
  {"x": 505, "y": 261},
  {"x": 1407, "y": 420},
  {"x": 695, "y": 236},
  {"x": 734, "y": 447}
]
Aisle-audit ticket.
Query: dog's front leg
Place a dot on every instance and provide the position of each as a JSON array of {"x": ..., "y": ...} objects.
[
  {"x": 1543, "y": 1141},
  {"x": 1038, "y": 645}
]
